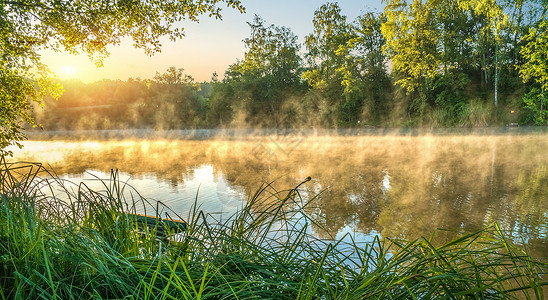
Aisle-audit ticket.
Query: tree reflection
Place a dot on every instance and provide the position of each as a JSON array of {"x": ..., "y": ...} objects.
[{"x": 400, "y": 186}]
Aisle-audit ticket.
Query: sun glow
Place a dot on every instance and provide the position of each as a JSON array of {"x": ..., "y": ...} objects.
[{"x": 67, "y": 71}]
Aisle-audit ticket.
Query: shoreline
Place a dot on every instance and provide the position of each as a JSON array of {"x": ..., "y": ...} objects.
[{"x": 205, "y": 134}]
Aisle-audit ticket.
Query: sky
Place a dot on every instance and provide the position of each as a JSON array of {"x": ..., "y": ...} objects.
[{"x": 208, "y": 46}]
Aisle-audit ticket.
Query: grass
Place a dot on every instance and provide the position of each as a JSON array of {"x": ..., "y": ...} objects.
[{"x": 60, "y": 240}]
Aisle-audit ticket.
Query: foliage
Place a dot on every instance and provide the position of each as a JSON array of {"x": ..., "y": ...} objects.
[
  {"x": 411, "y": 42},
  {"x": 420, "y": 63},
  {"x": 440, "y": 48},
  {"x": 428, "y": 43},
  {"x": 257, "y": 85},
  {"x": 26, "y": 27},
  {"x": 16, "y": 90},
  {"x": 535, "y": 68},
  {"x": 171, "y": 100},
  {"x": 331, "y": 33},
  {"x": 534, "y": 103},
  {"x": 347, "y": 65},
  {"x": 272, "y": 51}
]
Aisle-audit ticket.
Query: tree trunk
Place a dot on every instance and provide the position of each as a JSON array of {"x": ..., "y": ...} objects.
[
  {"x": 542, "y": 100},
  {"x": 496, "y": 76},
  {"x": 518, "y": 25},
  {"x": 485, "y": 74},
  {"x": 496, "y": 65}
]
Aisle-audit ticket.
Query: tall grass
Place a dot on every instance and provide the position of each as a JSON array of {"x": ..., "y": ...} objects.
[
  {"x": 60, "y": 240},
  {"x": 477, "y": 113}
]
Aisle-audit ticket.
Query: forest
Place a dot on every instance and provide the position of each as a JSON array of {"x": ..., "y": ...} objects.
[{"x": 433, "y": 63}]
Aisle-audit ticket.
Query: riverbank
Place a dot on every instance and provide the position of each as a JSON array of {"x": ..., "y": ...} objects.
[
  {"x": 66, "y": 241},
  {"x": 246, "y": 133}
]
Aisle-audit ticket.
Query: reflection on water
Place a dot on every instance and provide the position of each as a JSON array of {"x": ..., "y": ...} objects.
[
  {"x": 396, "y": 185},
  {"x": 214, "y": 194}
]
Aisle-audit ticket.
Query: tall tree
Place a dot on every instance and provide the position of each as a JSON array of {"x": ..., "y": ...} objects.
[
  {"x": 363, "y": 72},
  {"x": 173, "y": 100},
  {"x": 330, "y": 33},
  {"x": 435, "y": 46},
  {"x": 535, "y": 68},
  {"x": 491, "y": 22},
  {"x": 271, "y": 66},
  {"x": 332, "y": 67},
  {"x": 76, "y": 26},
  {"x": 412, "y": 39},
  {"x": 272, "y": 51},
  {"x": 363, "y": 51}
]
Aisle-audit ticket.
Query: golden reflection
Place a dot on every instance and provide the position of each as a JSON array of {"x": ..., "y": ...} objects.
[{"x": 400, "y": 186}]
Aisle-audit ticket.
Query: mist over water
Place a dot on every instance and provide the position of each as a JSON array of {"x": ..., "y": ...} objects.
[{"x": 401, "y": 184}]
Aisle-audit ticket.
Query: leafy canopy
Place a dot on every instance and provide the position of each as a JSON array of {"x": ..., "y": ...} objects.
[
  {"x": 535, "y": 68},
  {"x": 331, "y": 33},
  {"x": 27, "y": 27},
  {"x": 272, "y": 51},
  {"x": 535, "y": 51}
]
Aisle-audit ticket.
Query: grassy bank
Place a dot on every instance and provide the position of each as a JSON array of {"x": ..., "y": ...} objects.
[{"x": 60, "y": 240}]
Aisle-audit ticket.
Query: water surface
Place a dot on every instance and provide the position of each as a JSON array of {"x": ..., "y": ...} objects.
[{"x": 402, "y": 184}]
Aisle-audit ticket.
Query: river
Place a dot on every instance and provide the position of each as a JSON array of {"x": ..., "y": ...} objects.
[{"x": 392, "y": 183}]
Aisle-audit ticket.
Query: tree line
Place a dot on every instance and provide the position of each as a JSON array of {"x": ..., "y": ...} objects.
[{"x": 419, "y": 63}]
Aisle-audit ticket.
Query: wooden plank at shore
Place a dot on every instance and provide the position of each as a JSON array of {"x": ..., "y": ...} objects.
[{"x": 161, "y": 225}]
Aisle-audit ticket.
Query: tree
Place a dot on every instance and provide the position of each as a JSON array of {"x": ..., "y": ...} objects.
[
  {"x": 437, "y": 46},
  {"x": 331, "y": 31},
  {"x": 491, "y": 22},
  {"x": 15, "y": 110},
  {"x": 272, "y": 51},
  {"x": 363, "y": 72},
  {"x": 362, "y": 53},
  {"x": 330, "y": 65},
  {"x": 270, "y": 68},
  {"x": 172, "y": 99},
  {"x": 535, "y": 53},
  {"x": 412, "y": 39},
  {"x": 26, "y": 27}
]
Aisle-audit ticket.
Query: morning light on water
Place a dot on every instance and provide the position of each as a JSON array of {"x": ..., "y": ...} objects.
[
  {"x": 392, "y": 184},
  {"x": 238, "y": 149}
]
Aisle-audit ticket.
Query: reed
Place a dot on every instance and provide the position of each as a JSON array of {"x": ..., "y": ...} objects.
[{"x": 60, "y": 240}]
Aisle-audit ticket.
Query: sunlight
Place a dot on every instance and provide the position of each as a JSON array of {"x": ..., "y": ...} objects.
[{"x": 68, "y": 71}]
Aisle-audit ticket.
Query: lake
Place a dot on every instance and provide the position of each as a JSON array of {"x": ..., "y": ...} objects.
[{"x": 397, "y": 184}]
